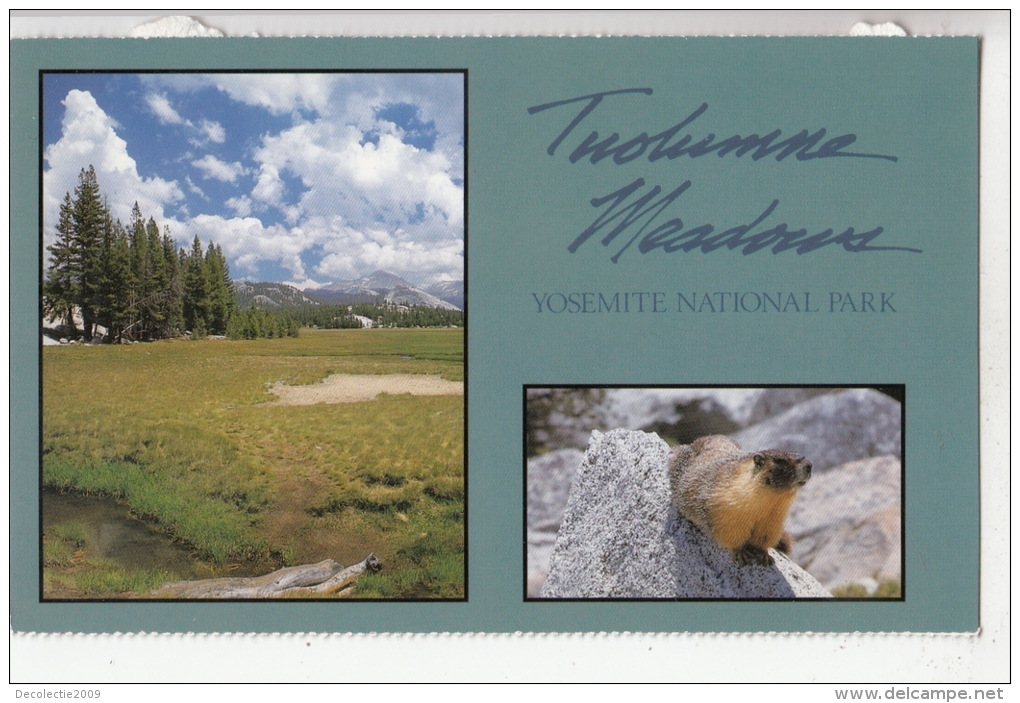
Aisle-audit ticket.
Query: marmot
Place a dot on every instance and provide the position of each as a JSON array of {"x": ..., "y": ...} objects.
[{"x": 740, "y": 498}]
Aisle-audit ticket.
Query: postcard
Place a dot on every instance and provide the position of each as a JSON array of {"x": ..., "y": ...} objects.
[{"x": 495, "y": 334}]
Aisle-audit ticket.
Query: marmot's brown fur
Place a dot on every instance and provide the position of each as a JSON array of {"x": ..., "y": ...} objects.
[{"x": 740, "y": 498}]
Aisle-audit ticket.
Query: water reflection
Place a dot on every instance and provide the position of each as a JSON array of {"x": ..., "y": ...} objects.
[{"x": 114, "y": 534}]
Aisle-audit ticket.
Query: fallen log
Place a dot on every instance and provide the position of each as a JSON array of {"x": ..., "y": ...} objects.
[{"x": 323, "y": 578}]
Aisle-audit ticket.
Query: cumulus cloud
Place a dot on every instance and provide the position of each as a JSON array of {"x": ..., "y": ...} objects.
[
  {"x": 211, "y": 167},
  {"x": 202, "y": 133},
  {"x": 389, "y": 181},
  {"x": 365, "y": 206},
  {"x": 279, "y": 93},
  {"x": 247, "y": 242},
  {"x": 213, "y": 131},
  {"x": 418, "y": 263},
  {"x": 161, "y": 108},
  {"x": 192, "y": 188},
  {"x": 88, "y": 137},
  {"x": 335, "y": 192},
  {"x": 352, "y": 98},
  {"x": 400, "y": 207},
  {"x": 241, "y": 205},
  {"x": 269, "y": 186}
]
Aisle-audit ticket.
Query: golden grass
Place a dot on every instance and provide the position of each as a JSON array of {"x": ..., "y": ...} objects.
[{"x": 182, "y": 432}]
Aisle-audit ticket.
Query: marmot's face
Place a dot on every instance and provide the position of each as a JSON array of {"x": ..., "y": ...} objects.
[{"x": 779, "y": 469}]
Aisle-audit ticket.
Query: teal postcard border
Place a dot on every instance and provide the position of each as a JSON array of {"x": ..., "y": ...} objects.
[{"x": 517, "y": 244}]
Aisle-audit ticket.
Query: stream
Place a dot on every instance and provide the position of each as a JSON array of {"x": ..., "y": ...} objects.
[{"x": 114, "y": 534}]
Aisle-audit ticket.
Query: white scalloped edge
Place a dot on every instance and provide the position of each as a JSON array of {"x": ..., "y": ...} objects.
[{"x": 497, "y": 635}]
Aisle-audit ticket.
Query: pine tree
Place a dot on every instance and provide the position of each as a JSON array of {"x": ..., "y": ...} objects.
[
  {"x": 60, "y": 290},
  {"x": 196, "y": 292},
  {"x": 113, "y": 309},
  {"x": 88, "y": 216},
  {"x": 138, "y": 283},
  {"x": 133, "y": 280},
  {"x": 175, "y": 300},
  {"x": 155, "y": 305},
  {"x": 220, "y": 290}
]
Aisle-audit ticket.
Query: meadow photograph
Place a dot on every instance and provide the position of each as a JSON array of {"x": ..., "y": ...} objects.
[{"x": 252, "y": 327}]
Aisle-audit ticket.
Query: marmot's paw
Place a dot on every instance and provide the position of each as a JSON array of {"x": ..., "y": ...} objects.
[
  {"x": 750, "y": 554},
  {"x": 785, "y": 544}
]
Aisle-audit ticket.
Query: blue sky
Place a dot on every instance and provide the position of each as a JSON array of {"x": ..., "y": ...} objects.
[{"x": 304, "y": 178}]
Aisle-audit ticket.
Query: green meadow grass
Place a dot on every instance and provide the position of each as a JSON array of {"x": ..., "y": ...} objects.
[
  {"x": 183, "y": 433},
  {"x": 70, "y": 570}
]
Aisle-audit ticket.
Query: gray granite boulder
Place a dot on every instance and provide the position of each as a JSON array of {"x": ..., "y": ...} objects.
[
  {"x": 549, "y": 480},
  {"x": 645, "y": 407},
  {"x": 846, "y": 523},
  {"x": 774, "y": 401},
  {"x": 621, "y": 537},
  {"x": 832, "y": 429}
]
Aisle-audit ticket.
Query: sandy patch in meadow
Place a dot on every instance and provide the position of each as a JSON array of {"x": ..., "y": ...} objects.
[{"x": 354, "y": 388}]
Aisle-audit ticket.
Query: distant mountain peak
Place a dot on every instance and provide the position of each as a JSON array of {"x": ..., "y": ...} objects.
[
  {"x": 394, "y": 289},
  {"x": 450, "y": 291},
  {"x": 270, "y": 295},
  {"x": 409, "y": 295},
  {"x": 380, "y": 277},
  {"x": 375, "y": 283}
]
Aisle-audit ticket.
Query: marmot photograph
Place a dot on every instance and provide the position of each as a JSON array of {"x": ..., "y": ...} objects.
[
  {"x": 714, "y": 493},
  {"x": 253, "y": 335}
]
